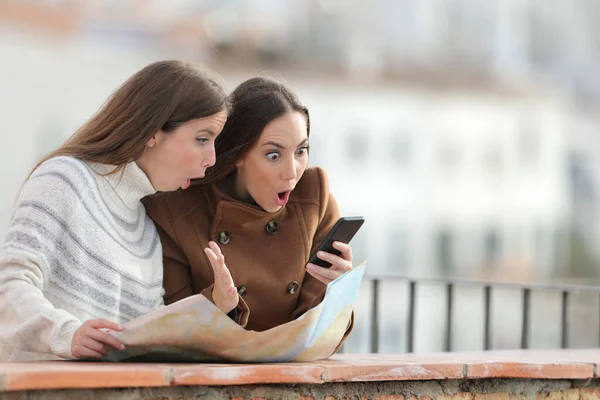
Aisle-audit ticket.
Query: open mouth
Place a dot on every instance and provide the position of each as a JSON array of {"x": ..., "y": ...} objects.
[
  {"x": 188, "y": 182},
  {"x": 283, "y": 197}
]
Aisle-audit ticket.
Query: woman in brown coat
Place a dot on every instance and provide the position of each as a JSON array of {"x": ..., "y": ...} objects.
[{"x": 263, "y": 206}]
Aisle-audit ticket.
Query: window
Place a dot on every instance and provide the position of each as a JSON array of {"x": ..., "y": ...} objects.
[
  {"x": 398, "y": 253},
  {"x": 491, "y": 247},
  {"x": 445, "y": 250},
  {"x": 529, "y": 143},
  {"x": 493, "y": 159},
  {"x": 400, "y": 151},
  {"x": 357, "y": 146},
  {"x": 449, "y": 156}
]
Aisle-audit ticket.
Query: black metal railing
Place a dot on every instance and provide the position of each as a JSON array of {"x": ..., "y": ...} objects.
[{"x": 488, "y": 289}]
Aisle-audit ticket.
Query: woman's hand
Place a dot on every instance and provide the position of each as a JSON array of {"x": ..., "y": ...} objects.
[
  {"x": 224, "y": 292},
  {"x": 339, "y": 264},
  {"x": 90, "y": 339}
]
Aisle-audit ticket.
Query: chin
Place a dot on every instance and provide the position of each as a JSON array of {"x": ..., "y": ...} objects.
[
  {"x": 170, "y": 188},
  {"x": 272, "y": 209}
]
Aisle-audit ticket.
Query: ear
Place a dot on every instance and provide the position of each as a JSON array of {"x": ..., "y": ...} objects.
[
  {"x": 152, "y": 141},
  {"x": 239, "y": 163}
]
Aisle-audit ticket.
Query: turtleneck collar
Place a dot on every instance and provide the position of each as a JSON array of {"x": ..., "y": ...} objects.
[{"x": 131, "y": 184}]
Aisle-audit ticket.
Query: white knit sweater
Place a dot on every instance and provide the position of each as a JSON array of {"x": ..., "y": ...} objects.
[{"x": 80, "y": 246}]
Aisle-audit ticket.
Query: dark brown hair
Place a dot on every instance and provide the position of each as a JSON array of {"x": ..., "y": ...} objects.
[
  {"x": 253, "y": 104},
  {"x": 161, "y": 96}
]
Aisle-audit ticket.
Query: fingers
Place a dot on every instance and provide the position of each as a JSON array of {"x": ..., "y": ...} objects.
[
  {"x": 83, "y": 346},
  {"x": 86, "y": 352},
  {"x": 102, "y": 336},
  {"x": 318, "y": 277},
  {"x": 345, "y": 249},
  {"x": 217, "y": 260},
  {"x": 215, "y": 248},
  {"x": 102, "y": 323},
  {"x": 94, "y": 346},
  {"x": 106, "y": 338},
  {"x": 325, "y": 273},
  {"x": 337, "y": 263},
  {"x": 215, "y": 256},
  {"x": 212, "y": 257},
  {"x": 224, "y": 292},
  {"x": 90, "y": 339}
]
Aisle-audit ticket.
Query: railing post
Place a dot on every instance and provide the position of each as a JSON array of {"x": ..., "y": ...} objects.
[
  {"x": 525, "y": 323},
  {"x": 449, "y": 300},
  {"x": 488, "y": 321},
  {"x": 564, "y": 336},
  {"x": 450, "y": 285},
  {"x": 410, "y": 326},
  {"x": 375, "y": 317}
]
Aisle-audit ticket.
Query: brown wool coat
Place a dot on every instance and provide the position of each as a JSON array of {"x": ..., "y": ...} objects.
[{"x": 266, "y": 253}]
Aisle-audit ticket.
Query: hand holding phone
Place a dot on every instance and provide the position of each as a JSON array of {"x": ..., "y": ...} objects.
[{"x": 343, "y": 231}]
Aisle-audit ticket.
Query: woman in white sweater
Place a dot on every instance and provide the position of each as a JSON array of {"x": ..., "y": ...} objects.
[{"x": 81, "y": 256}]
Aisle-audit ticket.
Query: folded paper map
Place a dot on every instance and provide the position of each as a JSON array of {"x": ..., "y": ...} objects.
[{"x": 193, "y": 329}]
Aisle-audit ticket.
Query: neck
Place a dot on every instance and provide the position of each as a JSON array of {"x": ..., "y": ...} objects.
[
  {"x": 131, "y": 184},
  {"x": 233, "y": 186}
]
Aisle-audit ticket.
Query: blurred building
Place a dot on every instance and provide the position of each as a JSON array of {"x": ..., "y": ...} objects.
[
  {"x": 465, "y": 131},
  {"x": 452, "y": 180},
  {"x": 435, "y": 111}
]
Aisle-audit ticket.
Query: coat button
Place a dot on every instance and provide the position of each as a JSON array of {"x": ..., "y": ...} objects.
[
  {"x": 292, "y": 287},
  {"x": 272, "y": 227},
  {"x": 242, "y": 291},
  {"x": 223, "y": 237}
]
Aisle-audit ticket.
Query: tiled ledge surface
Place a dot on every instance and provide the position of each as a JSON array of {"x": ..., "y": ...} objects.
[{"x": 567, "y": 364}]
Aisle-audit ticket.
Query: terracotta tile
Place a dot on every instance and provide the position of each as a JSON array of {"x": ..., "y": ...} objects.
[
  {"x": 245, "y": 374},
  {"x": 554, "y": 364},
  {"x": 390, "y": 397},
  {"x": 357, "y": 370},
  {"x": 72, "y": 375},
  {"x": 542, "y": 370},
  {"x": 534, "y": 356}
]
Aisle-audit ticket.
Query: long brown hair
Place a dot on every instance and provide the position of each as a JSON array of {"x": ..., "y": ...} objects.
[
  {"x": 253, "y": 104},
  {"x": 161, "y": 96}
]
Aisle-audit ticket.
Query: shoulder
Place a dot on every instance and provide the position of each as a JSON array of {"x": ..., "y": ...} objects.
[
  {"x": 313, "y": 187},
  {"x": 65, "y": 168},
  {"x": 55, "y": 188},
  {"x": 58, "y": 177},
  {"x": 175, "y": 206}
]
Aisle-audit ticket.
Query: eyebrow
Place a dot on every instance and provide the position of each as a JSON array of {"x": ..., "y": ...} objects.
[
  {"x": 207, "y": 130},
  {"x": 280, "y": 146}
]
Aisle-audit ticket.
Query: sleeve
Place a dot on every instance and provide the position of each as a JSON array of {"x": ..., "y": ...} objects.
[
  {"x": 177, "y": 279},
  {"x": 30, "y": 322},
  {"x": 313, "y": 290}
]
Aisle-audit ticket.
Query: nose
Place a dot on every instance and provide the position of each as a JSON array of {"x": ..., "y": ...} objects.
[
  {"x": 210, "y": 158},
  {"x": 289, "y": 170}
]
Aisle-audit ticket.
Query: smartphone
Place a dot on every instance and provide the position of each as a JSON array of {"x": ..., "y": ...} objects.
[{"x": 343, "y": 231}]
